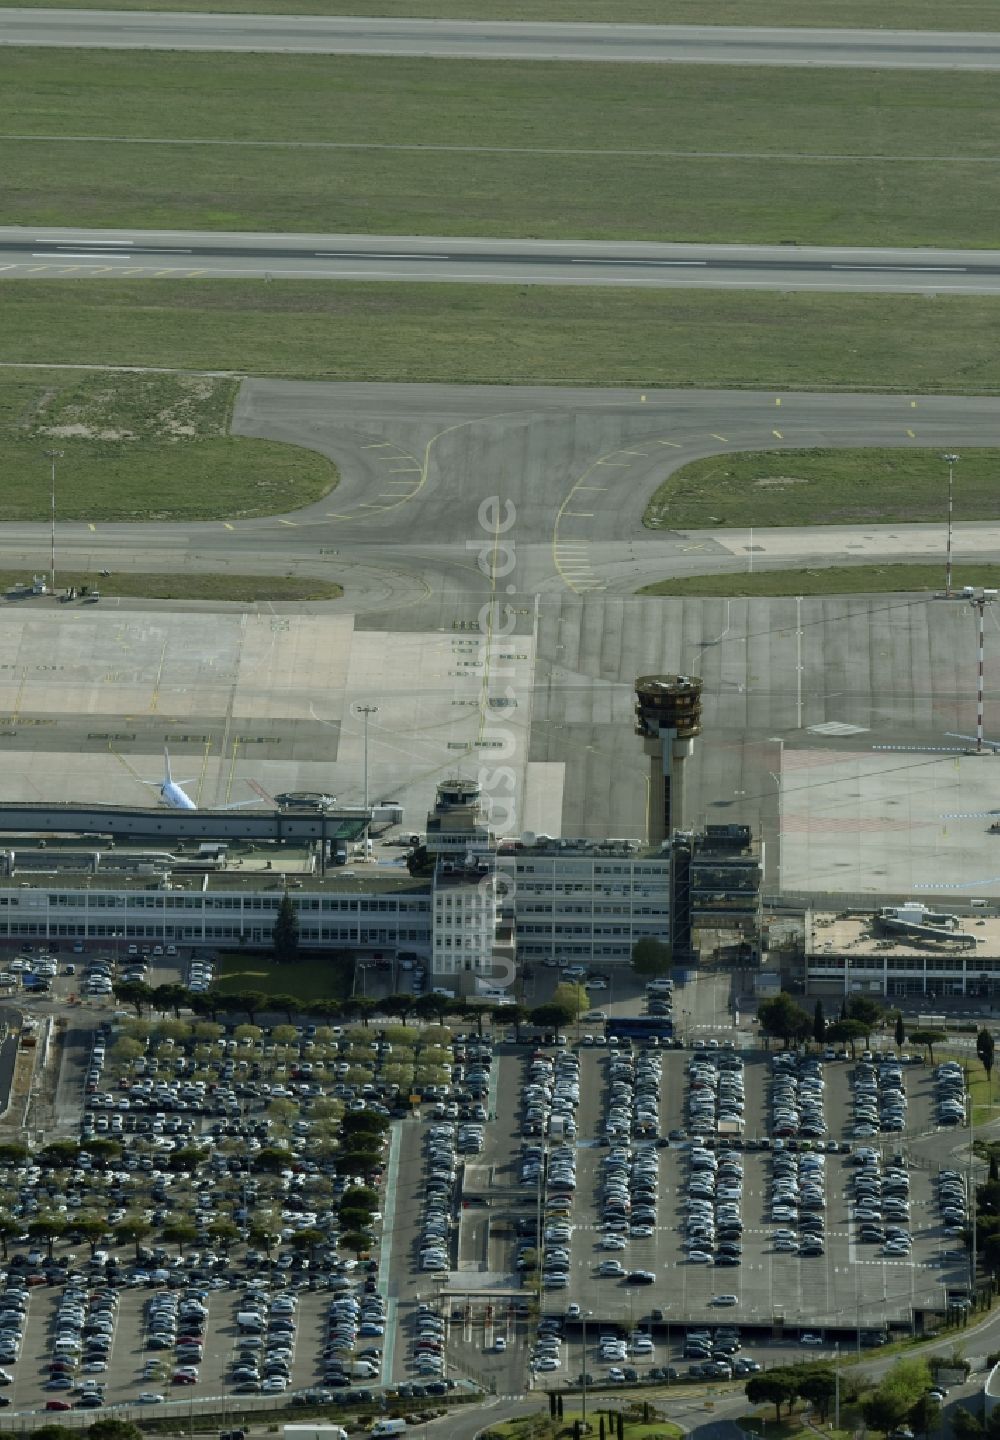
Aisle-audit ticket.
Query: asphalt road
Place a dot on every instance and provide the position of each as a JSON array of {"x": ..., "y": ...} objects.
[
  {"x": 79, "y": 254},
  {"x": 489, "y": 40}
]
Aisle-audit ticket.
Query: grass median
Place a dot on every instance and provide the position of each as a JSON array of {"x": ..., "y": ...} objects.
[
  {"x": 138, "y": 447},
  {"x": 357, "y": 144},
  {"x": 832, "y": 580},
  {"x": 915, "y": 14},
  {"x": 503, "y": 334},
  {"x": 190, "y": 585},
  {"x": 824, "y": 487}
]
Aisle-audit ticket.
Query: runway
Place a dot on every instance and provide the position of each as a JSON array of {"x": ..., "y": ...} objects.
[
  {"x": 508, "y": 40},
  {"x": 121, "y": 254}
]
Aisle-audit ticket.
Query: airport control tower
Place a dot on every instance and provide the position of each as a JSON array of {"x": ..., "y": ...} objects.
[{"x": 668, "y": 717}]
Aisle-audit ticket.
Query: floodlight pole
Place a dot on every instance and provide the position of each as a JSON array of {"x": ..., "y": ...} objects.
[
  {"x": 951, "y": 461},
  {"x": 979, "y": 603},
  {"x": 53, "y": 455},
  {"x": 367, "y": 711}
]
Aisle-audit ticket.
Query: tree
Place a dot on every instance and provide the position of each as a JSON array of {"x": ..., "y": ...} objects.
[
  {"x": 573, "y": 998},
  {"x": 133, "y": 992},
  {"x": 223, "y": 1233},
  {"x": 866, "y": 1011},
  {"x": 651, "y": 957},
  {"x": 512, "y": 1015},
  {"x": 928, "y": 1039},
  {"x": 308, "y": 1239},
  {"x": 994, "y": 1165},
  {"x": 182, "y": 1232},
  {"x": 924, "y": 1415},
  {"x": 359, "y": 1197},
  {"x": 8, "y": 1228},
  {"x": 427, "y": 1007},
  {"x": 550, "y": 1017},
  {"x": 132, "y": 1231},
  {"x": 985, "y": 1046},
  {"x": 249, "y": 1001},
  {"x": 285, "y": 938},
  {"x": 846, "y": 1032},
  {"x": 783, "y": 1018},
  {"x": 819, "y": 1386},
  {"x": 399, "y": 1005},
  {"x": 109, "y": 1429},
  {"x": 819, "y": 1023},
  {"x": 90, "y": 1228},
  {"x": 900, "y": 1032},
  {"x": 170, "y": 997},
  {"x": 48, "y": 1228},
  {"x": 265, "y": 1235},
  {"x": 357, "y": 1241},
  {"x": 965, "y": 1425},
  {"x": 289, "y": 1004},
  {"x": 777, "y": 1388},
  {"x": 883, "y": 1410}
]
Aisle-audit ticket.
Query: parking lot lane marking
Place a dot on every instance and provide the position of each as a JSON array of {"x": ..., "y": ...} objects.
[
  {"x": 379, "y": 445},
  {"x": 290, "y": 523},
  {"x": 671, "y": 444},
  {"x": 228, "y": 526},
  {"x": 777, "y": 435},
  {"x": 579, "y": 514},
  {"x": 720, "y": 437},
  {"x": 91, "y": 527},
  {"x": 912, "y": 434}
]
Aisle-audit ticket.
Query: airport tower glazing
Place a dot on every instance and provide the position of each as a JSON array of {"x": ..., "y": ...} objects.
[{"x": 668, "y": 717}]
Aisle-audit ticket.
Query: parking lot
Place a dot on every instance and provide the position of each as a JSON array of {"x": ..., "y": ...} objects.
[{"x": 643, "y": 1191}]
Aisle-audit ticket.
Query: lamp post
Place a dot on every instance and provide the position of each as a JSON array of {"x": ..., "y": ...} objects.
[
  {"x": 53, "y": 456},
  {"x": 366, "y": 711},
  {"x": 583, "y": 1377},
  {"x": 951, "y": 461}
]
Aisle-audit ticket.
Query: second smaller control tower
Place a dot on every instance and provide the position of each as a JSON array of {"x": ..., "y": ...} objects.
[{"x": 668, "y": 717}]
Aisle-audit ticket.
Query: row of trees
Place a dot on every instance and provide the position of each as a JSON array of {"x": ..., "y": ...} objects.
[
  {"x": 783, "y": 1018},
  {"x": 567, "y": 1004},
  {"x": 900, "y": 1398}
]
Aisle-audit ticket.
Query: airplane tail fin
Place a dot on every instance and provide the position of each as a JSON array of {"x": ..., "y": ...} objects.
[{"x": 167, "y": 777}]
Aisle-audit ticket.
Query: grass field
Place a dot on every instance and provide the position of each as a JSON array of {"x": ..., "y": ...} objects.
[
  {"x": 192, "y": 585},
  {"x": 912, "y": 14},
  {"x": 630, "y": 152},
  {"x": 321, "y": 978},
  {"x": 139, "y": 447},
  {"x": 835, "y": 580},
  {"x": 506, "y": 334},
  {"x": 824, "y": 487}
]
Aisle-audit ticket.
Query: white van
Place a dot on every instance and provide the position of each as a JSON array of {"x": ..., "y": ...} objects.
[{"x": 388, "y": 1427}]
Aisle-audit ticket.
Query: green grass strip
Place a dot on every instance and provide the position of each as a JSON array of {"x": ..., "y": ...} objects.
[
  {"x": 190, "y": 585},
  {"x": 825, "y": 487},
  {"x": 619, "y": 152},
  {"x": 836, "y": 580},
  {"x": 507, "y": 334}
]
